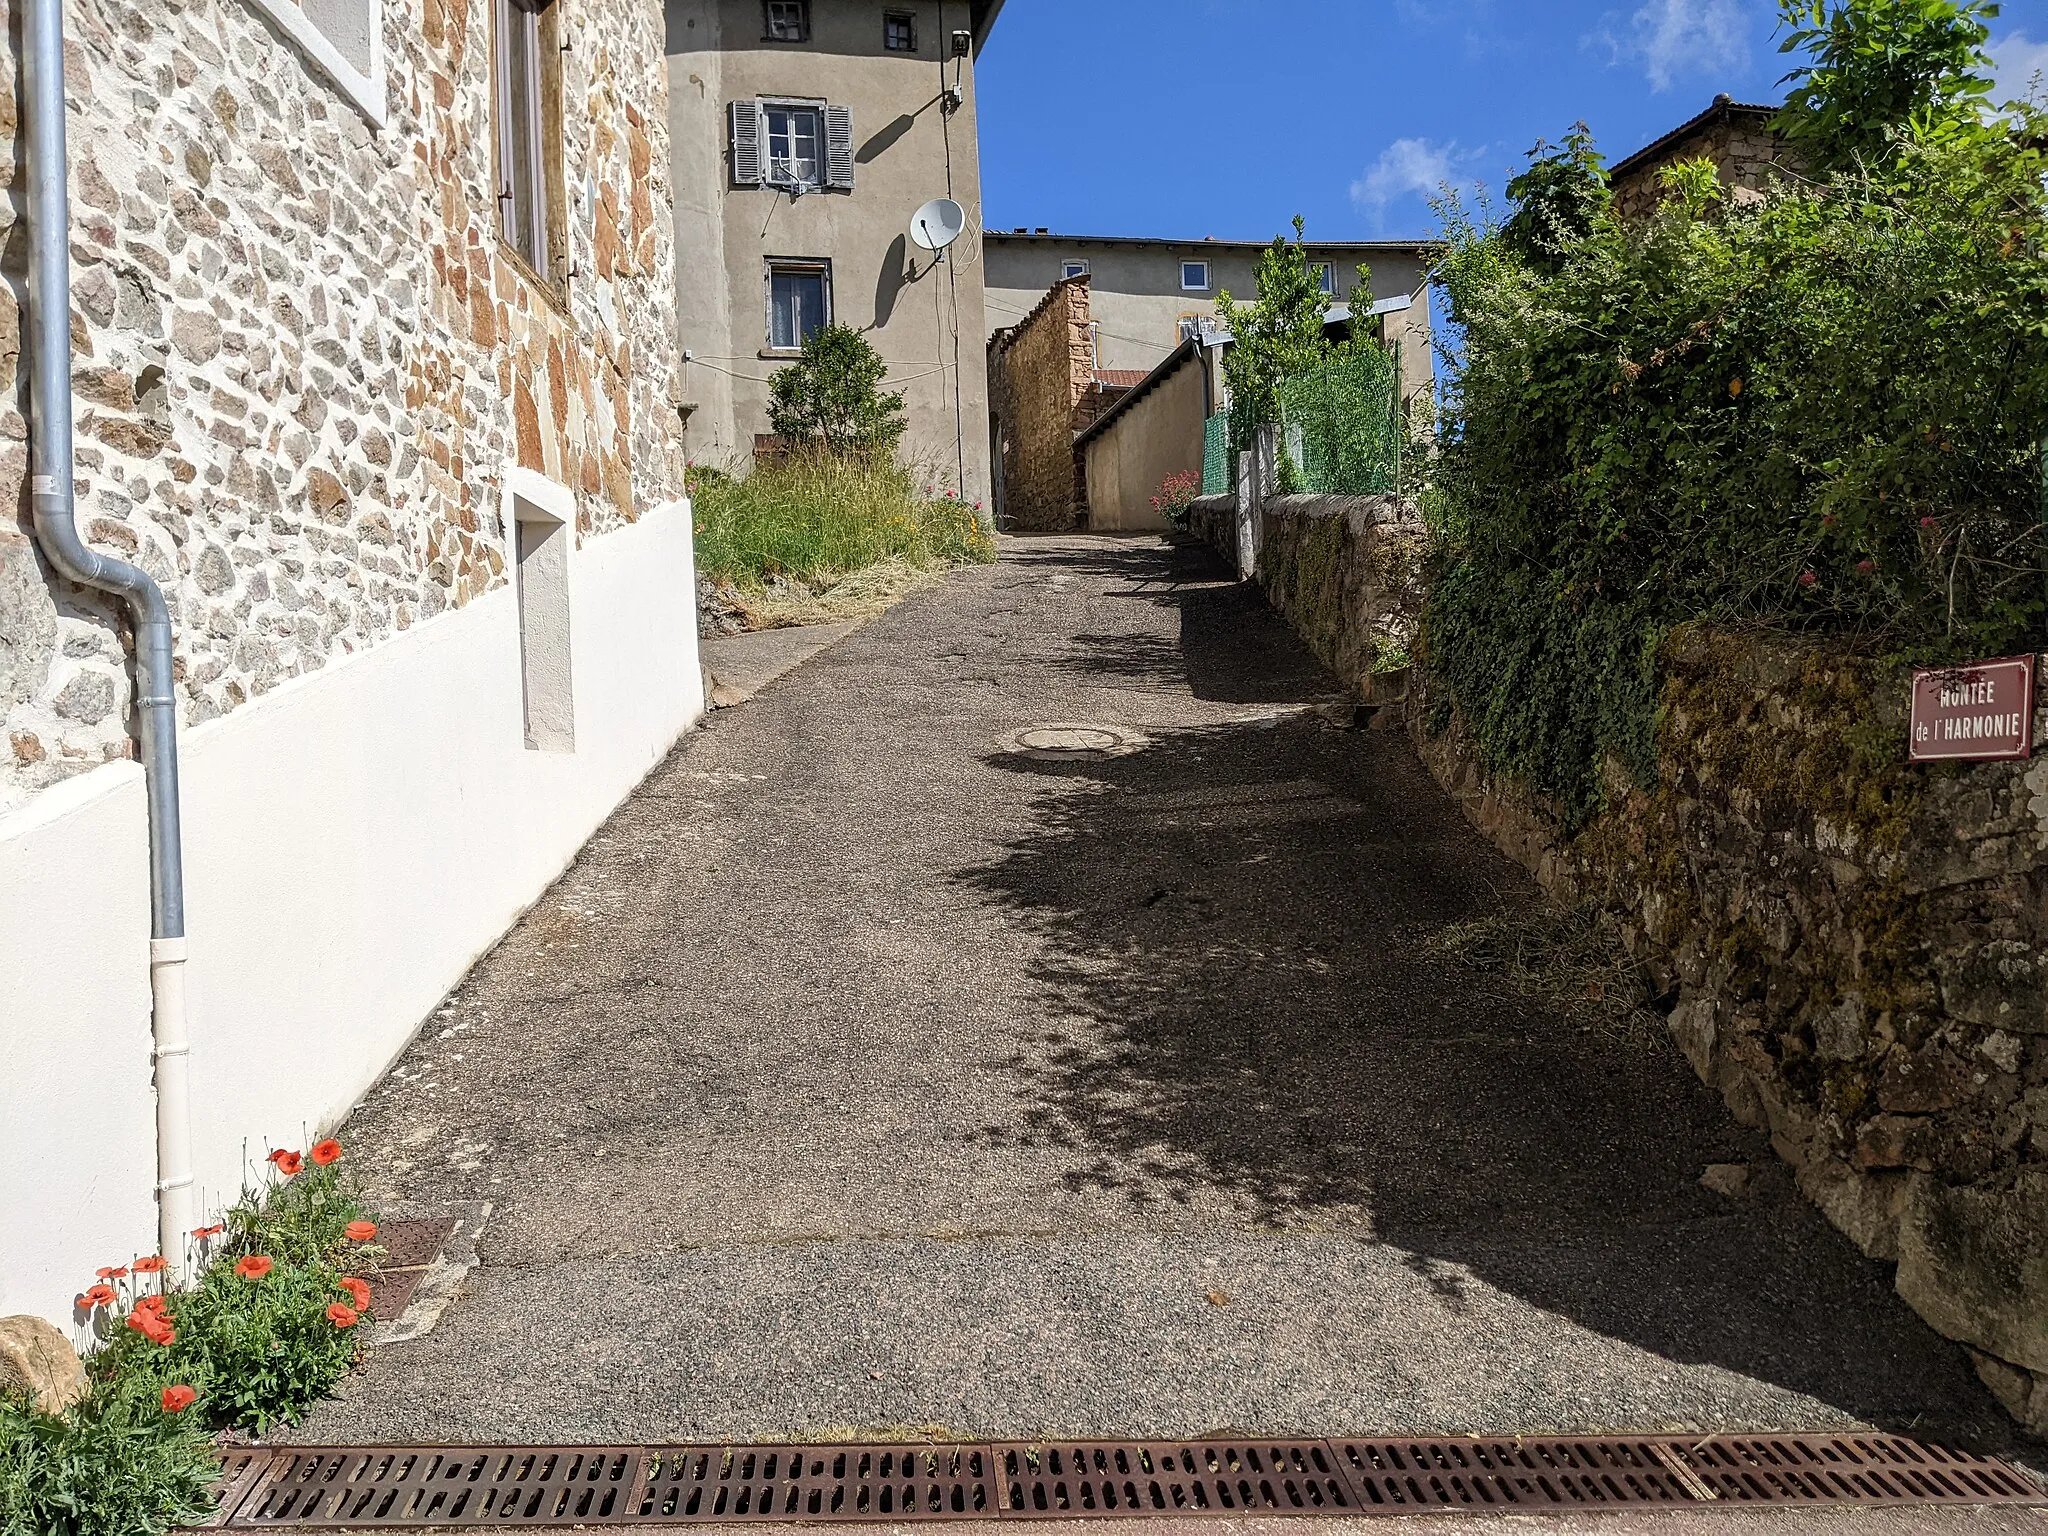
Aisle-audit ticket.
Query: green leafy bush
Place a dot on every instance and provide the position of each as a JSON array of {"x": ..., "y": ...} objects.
[
  {"x": 114, "y": 1464},
  {"x": 1817, "y": 410},
  {"x": 820, "y": 516},
  {"x": 832, "y": 397}
]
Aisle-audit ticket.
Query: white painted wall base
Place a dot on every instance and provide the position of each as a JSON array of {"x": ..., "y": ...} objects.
[{"x": 353, "y": 841}]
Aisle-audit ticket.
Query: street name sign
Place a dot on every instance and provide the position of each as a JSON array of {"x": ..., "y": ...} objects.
[{"x": 1980, "y": 712}]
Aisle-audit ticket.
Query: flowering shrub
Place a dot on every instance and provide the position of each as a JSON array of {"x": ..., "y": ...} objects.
[{"x": 1175, "y": 494}]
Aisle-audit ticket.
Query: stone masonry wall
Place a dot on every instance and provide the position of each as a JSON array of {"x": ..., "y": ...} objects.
[
  {"x": 1041, "y": 383},
  {"x": 1852, "y": 950},
  {"x": 1746, "y": 153},
  {"x": 303, "y": 359}
]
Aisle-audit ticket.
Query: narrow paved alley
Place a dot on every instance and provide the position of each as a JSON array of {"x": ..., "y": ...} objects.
[{"x": 867, "y": 1076}]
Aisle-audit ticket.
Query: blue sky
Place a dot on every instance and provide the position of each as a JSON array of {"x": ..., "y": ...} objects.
[{"x": 1188, "y": 118}]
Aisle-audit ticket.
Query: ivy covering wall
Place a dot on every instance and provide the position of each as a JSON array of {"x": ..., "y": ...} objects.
[{"x": 1818, "y": 410}]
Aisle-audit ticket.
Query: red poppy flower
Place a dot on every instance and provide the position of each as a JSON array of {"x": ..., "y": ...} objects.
[
  {"x": 149, "y": 1266},
  {"x": 1807, "y": 578},
  {"x": 110, "y": 1274},
  {"x": 202, "y": 1233},
  {"x": 253, "y": 1266},
  {"x": 358, "y": 1290},
  {"x": 154, "y": 1305},
  {"x": 97, "y": 1296},
  {"x": 288, "y": 1163},
  {"x": 178, "y": 1399},
  {"x": 153, "y": 1328},
  {"x": 342, "y": 1315},
  {"x": 325, "y": 1152},
  {"x": 359, "y": 1231}
]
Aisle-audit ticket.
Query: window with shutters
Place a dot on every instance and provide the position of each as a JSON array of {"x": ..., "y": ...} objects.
[
  {"x": 798, "y": 146},
  {"x": 899, "y": 31},
  {"x": 799, "y": 301},
  {"x": 527, "y": 108},
  {"x": 795, "y": 146},
  {"x": 786, "y": 21}
]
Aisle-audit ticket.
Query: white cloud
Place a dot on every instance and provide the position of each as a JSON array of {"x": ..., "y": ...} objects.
[
  {"x": 1408, "y": 166},
  {"x": 1678, "y": 39},
  {"x": 2017, "y": 58}
]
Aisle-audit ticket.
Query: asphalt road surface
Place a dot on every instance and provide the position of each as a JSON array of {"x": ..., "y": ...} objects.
[{"x": 869, "y": 1077}]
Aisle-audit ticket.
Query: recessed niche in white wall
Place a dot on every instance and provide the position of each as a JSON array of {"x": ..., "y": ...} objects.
[{"x": 541, "y": 548}]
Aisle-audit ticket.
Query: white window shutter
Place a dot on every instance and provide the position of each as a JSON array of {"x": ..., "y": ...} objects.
[
  {"x": 839, "y": 147},
  {"x": 746, "y": 143}
]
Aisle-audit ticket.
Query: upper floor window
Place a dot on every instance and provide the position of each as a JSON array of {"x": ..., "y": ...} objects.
[
  {"x": 800, "y": 146},
  {"x": 1326, "y": 278},
  {"x": 528, "y": 122},
  {"x": 786, "y": 21},
  {"x": 1194, "y": 276},
  {"x": 1073, "y": 269},
  {"x": 899, "y": 31},
  {"x": 795, "y": 137}
]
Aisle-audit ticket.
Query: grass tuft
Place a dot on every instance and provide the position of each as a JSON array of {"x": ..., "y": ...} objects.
[
  {"x": 821, "y": 536},
  {"x": 114, "y": 1464}
]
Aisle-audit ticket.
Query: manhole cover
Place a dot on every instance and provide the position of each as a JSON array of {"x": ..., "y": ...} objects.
[{"x": 1069, "y": 741}]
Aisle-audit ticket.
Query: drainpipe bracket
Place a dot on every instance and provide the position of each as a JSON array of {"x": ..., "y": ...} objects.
[{"x": 166, "y": 951}]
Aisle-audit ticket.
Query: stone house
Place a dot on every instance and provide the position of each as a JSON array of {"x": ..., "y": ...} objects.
[
  {"x": 1042, "y": 391},
  {"x": 1146, "y": 294},
  {"x": 1735, "y": 135},
  {"x": 376, "y": 373},
  {"x": 804, "y": 135}
]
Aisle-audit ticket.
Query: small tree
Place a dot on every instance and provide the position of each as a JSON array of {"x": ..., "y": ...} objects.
[
  {"x": 1279, "y": 333},
  {"x": 1558, "y": 199},
  {"x": 831, "y": 397},
  {"x": 1884, "y": 73}
]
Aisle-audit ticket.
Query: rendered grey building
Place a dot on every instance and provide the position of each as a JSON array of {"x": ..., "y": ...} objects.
[
  {"x": 1145, "y": 293},
  {"x": 803, "y": 135}
]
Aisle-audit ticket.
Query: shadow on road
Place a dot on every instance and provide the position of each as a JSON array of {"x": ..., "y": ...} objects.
[{"x": 1240, "y": 912}]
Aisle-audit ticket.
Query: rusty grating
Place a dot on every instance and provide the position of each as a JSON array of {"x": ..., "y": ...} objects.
[
  {"x": 410, "y": 1249},
  {"x": 365, "y": 1488}
]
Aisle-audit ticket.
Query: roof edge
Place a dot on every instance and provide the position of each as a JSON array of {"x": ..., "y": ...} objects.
[
  {"x": 1418, "y": 247},
  {"x": 1167, "y": 365},
  {"x": 1724, "y": 106}
]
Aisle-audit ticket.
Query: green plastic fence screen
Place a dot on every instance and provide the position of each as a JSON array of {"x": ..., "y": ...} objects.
[
  {"x": 1341, "y": 425},
  {"x": 1218, "y": 476}
]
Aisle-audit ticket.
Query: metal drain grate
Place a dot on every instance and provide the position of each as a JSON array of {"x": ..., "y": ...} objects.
[
  {"x": 1210, "y": 1477},
  {"x": 309, "y": 1487},
  {"x": 839, "y": 1482}
]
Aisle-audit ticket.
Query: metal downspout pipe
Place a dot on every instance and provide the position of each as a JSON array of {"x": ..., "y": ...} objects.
[{"x": 56, "y": 528}]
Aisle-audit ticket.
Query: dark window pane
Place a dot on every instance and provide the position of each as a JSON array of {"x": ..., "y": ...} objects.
[
  {"x": 900, "y": 33},
  {"x": 523, "y": 193},
  {"x": 789, "y": 21},
  {"x": 796, "y": 305}
]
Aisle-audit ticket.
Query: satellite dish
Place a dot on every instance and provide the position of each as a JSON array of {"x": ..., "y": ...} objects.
[{"x": 938, "y": 224}]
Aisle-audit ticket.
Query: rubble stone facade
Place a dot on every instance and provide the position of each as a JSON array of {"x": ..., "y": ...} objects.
[
  {"x": 303, "y": 357},
  {"x": 1736, "y": 138},
  {"x": 1042, "y": 391}
]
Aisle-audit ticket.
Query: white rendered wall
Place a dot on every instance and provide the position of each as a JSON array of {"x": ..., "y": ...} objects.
[{"x": 353, "y": 841}]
